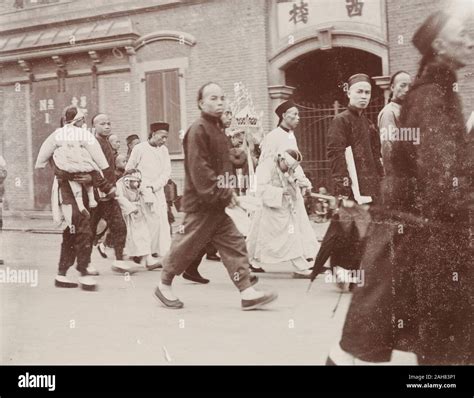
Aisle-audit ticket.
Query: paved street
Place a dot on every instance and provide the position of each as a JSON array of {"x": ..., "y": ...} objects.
[
  {"x": 152, "y": 99},
  {"x": 123, "y": 324}
]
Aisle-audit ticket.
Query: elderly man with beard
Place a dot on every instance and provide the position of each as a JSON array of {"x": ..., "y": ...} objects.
[{"x": 418, "y": 297}]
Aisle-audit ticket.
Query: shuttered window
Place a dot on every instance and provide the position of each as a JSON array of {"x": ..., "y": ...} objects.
[{"x": 163, "y": 104}]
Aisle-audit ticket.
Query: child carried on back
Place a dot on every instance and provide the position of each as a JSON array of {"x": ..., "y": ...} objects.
[{"x": 76, "y": 151}]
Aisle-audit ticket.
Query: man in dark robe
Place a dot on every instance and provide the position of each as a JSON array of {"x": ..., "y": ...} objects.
[
  {"x": 207, "y": 160},
  {"x": 418, "y": 261}
]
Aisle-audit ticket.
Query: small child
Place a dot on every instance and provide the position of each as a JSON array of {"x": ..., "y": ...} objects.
[
  {"x": 281, "y": 230},
  {"x": 120, "y": 163},
  {"x": 132, "y": 202},
  {"x": 76, "y": 151},
  {"x": 104, "y": 239},
  {"x": 290, "y": 173}
]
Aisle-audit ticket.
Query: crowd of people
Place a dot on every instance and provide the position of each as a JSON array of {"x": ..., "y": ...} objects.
[{"x": 410, "y": 176}]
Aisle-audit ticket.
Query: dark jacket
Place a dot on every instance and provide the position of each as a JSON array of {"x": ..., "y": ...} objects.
[
  {"x": 206, "y": 162},
  {"x": 434, "y": 178},
  {"x": 433, "y": 181},
  {"x": 348, "y": 128},
  {"x": 109, "y": 173}
]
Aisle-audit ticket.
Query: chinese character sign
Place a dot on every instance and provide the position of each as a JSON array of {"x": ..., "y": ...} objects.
[
  {"x": 364, "y": 16},
  {"x": 42, "y": 104},
  {"x": 354, "y": 8},
  {"x": 299, "y": 13},
  {"x": 46, "y": 105}
]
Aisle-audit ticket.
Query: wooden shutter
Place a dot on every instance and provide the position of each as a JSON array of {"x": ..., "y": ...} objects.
[{"x": 163, "y": 104}]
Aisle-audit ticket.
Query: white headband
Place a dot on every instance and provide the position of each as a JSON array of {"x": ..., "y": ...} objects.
[{"x": 79, "y": 115}]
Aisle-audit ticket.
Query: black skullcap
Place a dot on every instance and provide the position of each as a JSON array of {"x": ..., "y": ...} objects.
[
  {"x": 283, "y": 107},
  {"x": 159, "y": 126},
  {"x": 429, "y": 30},
  {"x": 358, "y": 77}
]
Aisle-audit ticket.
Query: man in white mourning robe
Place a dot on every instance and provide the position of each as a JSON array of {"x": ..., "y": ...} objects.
[
  {"x": 281, "y": 230},
  {"x": 152, "y": 159}
]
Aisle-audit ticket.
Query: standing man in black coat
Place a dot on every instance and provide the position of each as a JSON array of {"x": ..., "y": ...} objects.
[
  {"x": 419, "y": 254},
  {"x": 353, "y": 129},
  {"x": 109, "y": 209},
  {"x": 354, "y": 152},
  {"x": 206, "y": 164}
]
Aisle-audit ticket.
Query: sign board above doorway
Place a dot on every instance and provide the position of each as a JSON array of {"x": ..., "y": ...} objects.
[{"x": 297, "y": 15}]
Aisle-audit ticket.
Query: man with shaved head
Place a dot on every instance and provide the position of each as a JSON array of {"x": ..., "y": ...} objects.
[
  {"x": 207, "y": 160},
  {"x": 109, "y": 209},
  {"x": 114, "y": 143}
]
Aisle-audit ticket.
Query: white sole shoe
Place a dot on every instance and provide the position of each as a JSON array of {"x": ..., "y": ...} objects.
[
  {"x": 63, "y": 281},
  {"x": 88, "y": 283}
]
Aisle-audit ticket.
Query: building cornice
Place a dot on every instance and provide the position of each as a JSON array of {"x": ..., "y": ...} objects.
[
  {"x": 72, "y": 12},
  {"x": 84, "y": 47}
]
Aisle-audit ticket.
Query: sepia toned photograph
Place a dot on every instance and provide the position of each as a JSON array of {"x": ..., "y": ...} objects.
[{"x": 237, "y": 182}]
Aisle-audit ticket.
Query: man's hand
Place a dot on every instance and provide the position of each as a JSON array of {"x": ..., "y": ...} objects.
[
  {"x": 85, "y": 178},
  {"x": 234, "y": 201},
  {"x": 136, "y": 210},
  {"x": 289, "y": 192},
  {"x": 134, "y": 214}
]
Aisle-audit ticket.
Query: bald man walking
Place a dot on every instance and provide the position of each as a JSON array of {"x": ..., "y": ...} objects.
[
  {"x": 206, "y": 150},
  {"x": 109, "y": 209}
]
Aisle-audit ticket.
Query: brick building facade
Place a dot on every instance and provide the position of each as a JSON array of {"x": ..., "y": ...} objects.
[{"x": 140, "y": 61}]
